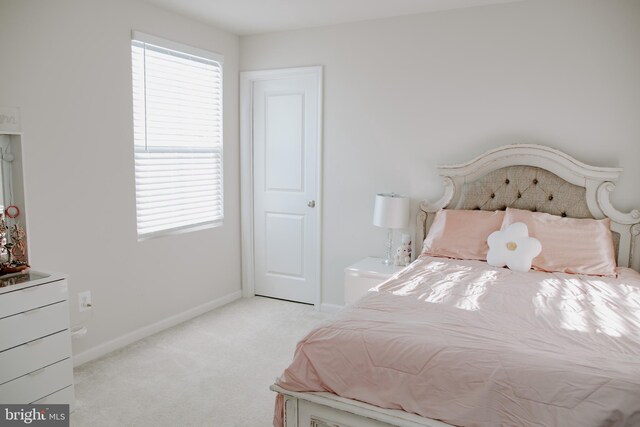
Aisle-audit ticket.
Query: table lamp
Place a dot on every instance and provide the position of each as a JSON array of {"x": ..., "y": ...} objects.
[{"x": 391, "y": 211}]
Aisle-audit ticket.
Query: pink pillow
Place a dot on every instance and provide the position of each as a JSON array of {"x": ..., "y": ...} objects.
[
  {"x": 569, "y": 245},
  {"x": 462, "y": 234}
]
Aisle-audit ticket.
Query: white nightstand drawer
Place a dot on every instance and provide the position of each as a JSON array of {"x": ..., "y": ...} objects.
[
  {"x": 33, "y": 324},
  {"x": 34, "y": 355},
  {"x": 31, "y": 297},
  {"x": 355, "y": 287},
  {"x": 38, "y": 384},
  {"x": 364, "y": 275}
]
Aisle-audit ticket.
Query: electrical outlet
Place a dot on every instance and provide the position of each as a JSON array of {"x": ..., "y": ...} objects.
[{"x": 84, "y": 301}]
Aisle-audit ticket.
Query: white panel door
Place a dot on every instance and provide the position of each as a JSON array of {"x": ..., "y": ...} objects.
[{"x": 285, "y": 140}]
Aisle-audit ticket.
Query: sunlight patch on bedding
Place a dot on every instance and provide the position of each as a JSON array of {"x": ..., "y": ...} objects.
[
  {"x": 631, "y": 295},
  {"x": 470, "y": 302},
  {"x": 602, "y": 297},
  {"x": 440, "y": 291},
  {"x": 632, "y": 299},
  {"x": 435, "y": 266},
  {"x": 408, "y": 288},
  {"x": 574, "y": 288},
  {"x": 573, "y": 316},
  {"x": 463, "y": 267},
  {"x": 546, "y": 294},
  {"x": 488, "y": 276},
  {"x": 587, "y": 305}
]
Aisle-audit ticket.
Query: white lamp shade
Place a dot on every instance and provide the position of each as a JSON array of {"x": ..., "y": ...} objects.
[{"x": 391, "y": 211}]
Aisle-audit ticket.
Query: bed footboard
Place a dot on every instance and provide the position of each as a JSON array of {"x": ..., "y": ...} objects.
[{"x": 319, "y": 409}]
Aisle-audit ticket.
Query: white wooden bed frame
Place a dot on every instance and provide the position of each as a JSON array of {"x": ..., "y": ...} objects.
[{"x": 321, "y": 409}]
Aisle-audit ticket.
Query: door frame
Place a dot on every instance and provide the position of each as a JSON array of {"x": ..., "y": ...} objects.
[{"x": 247, "y": 80}]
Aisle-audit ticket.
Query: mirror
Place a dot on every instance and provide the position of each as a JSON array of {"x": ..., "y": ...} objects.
[
  {"x": 13, "y": 239},
  {"x": 5, "y": 145}
]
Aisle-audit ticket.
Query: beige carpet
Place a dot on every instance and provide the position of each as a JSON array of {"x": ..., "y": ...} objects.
[{"x": 214, "y": 370}]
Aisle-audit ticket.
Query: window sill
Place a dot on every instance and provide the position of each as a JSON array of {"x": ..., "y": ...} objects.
[{"x": 182, "y": 230}]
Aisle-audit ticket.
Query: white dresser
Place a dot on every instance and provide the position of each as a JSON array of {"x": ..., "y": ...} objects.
[{"x": 35, "y": 340}]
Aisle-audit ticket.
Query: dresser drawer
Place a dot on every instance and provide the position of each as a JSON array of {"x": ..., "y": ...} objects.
[
  {"x": 34, "y": 355},
  {"x": 64, "y": 396},
  {"x": 36, "y": 385},
  {"x": 32, "y": 297},
  {"x": 30, "y": 325}
]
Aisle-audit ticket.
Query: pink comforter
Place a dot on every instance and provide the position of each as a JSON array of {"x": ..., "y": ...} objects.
[{"x": 474, "y": 345}]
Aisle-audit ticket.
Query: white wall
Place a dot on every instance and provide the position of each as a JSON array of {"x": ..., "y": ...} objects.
[
  {"x": 404, "y": 94},
  {"x": 67, "y": 64}
]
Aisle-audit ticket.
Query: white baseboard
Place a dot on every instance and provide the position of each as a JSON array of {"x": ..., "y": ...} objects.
[
  {"x": 131, "y": 337},
  {"x": 330, "y": 308}
]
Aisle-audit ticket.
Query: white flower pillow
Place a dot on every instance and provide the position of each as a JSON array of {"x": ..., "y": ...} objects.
[{"x": 513, "y": 247}]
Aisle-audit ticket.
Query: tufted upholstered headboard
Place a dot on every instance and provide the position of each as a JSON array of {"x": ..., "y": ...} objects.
[{"x": 536, "y": 178}]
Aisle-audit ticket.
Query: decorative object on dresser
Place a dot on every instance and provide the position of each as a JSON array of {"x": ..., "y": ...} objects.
[
  {"x": 391, "y": 211},
  {"x": 35, "y": 340},
  {"x": 14, "y": 248},
  {"x": 364, "y": 275}
]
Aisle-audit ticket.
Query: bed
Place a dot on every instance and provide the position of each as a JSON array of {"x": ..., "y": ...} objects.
[{"x": 457, "y": 342}]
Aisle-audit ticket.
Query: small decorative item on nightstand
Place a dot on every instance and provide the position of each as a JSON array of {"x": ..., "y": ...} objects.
[
  {"x": 403, "y": 253},
  {"x": 391, "y": 211}
]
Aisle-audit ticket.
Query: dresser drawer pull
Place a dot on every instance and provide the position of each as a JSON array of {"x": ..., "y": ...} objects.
[
  {"x": 39, "y": 371},
  {"x": 34, "y": 342},
  {"x": 35, "y": 310},
  {"x": 29, "y": 289}
]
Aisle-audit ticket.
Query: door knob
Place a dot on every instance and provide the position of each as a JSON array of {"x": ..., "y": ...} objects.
[{"x": 311, "y": 203}]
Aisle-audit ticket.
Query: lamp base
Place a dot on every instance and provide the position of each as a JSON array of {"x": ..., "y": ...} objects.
[{"x": 388, "y": 258}]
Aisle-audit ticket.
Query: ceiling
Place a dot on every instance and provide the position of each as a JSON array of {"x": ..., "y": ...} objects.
[{"x": 246, "y": 17}]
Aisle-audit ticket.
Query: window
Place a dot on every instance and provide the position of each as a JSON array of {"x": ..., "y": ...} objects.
[{"x": 177, "y": 120}]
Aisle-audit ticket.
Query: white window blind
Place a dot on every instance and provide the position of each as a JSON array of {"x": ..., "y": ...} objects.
[{"x": 177, "y": 118}]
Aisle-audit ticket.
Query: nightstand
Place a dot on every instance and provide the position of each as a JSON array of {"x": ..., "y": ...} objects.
[{"x": 364, "y": 275}]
